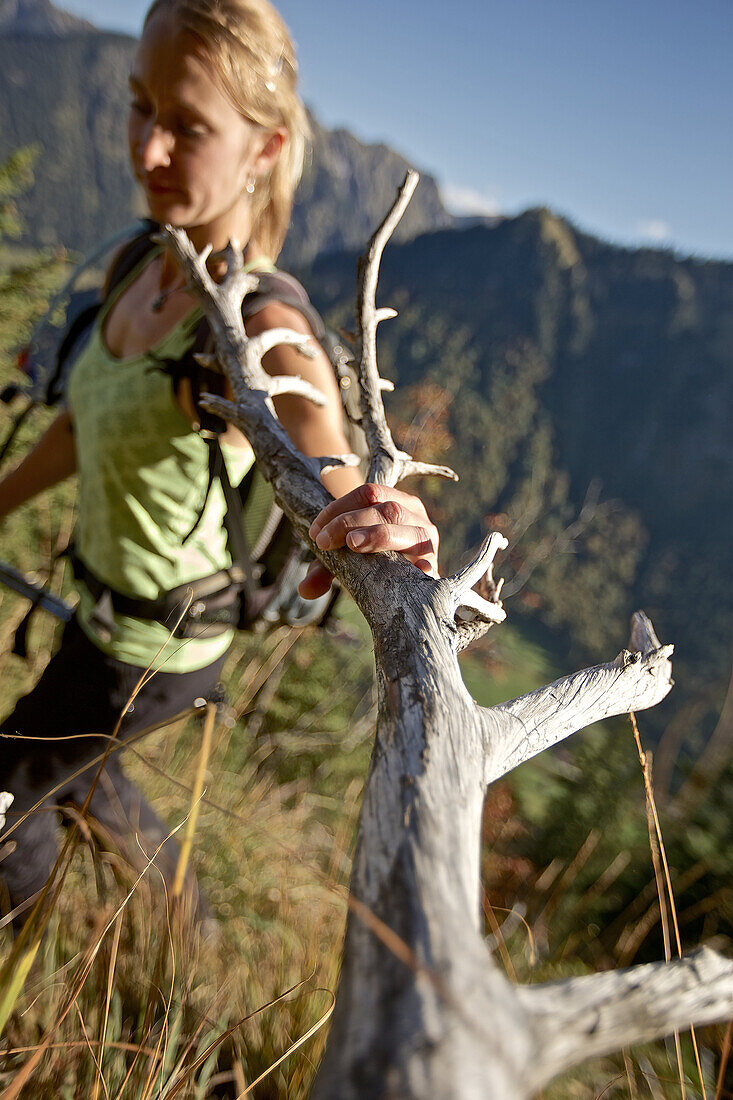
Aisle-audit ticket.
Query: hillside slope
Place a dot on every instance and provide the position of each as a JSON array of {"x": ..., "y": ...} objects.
[{"x": 566, "y": 354}]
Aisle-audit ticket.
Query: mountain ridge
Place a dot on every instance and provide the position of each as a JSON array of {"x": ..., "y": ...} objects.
[
  {"x": 40, "y": 17},
  {"x": 568, "y": 362}
]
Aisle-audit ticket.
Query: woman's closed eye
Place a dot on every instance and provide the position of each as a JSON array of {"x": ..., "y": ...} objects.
[
  {"x": 191, "y": 129},
  {"x": 188, "y": 128}
]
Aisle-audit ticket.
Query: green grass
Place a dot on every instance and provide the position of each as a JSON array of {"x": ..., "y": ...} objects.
[
  {"x": 512, "y": 666},
  {"x": 272, "y": 854}
]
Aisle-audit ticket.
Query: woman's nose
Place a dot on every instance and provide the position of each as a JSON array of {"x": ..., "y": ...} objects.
[{"x": 156, "y": 147}]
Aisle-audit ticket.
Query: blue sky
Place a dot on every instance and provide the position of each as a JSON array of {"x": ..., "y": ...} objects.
[{"x": 615, "y": 113}]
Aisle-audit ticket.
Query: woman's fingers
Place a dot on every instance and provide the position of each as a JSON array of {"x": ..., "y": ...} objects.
[
  {"x": 412, "y": 541},
  {"x": 390, "y": 514},
  {"x": 382, "y": 517},
  {"x": 375, "y": 518},
  {"x": 374, "y": 530},
  {"x": 316, "y": 582},
  {"x": 366, "y": 496}
]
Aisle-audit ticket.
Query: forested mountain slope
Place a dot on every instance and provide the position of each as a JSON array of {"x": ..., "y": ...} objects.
[{"x": 568, "y": 361}]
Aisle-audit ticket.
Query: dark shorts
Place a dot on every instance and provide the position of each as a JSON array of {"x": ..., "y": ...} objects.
[{"x": 82, "y": 692}]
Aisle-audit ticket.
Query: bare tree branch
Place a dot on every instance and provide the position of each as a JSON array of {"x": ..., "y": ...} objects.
[
  {"x": 389, "y": 465},
  {"x": 241, "y": 356},
  {"x": 481, "y": 565},
  {"x": 637, "y": 679},
  {"x": 473, "y": 613},
  {"x": 584, "y": 1018}
]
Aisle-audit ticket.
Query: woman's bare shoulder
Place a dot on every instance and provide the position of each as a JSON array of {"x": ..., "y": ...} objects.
[{"x": 277, "y": 315}]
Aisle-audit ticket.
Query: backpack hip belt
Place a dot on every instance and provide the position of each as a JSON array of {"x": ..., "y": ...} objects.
[{"x": 212, "y": 604}]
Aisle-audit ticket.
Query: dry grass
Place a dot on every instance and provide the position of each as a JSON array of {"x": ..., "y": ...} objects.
[{"x": 125, "y": 996}]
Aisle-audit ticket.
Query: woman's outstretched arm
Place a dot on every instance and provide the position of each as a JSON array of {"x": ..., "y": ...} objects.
[
  {"x": 52, "y": 460},
  {"x": 313, "y": 429}
]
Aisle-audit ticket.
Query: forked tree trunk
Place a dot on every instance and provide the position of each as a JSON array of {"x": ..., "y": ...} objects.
[{"x": 421, "y": 1010}]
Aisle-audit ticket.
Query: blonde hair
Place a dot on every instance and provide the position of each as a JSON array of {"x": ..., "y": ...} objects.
[{"x": 253, "y": 59}]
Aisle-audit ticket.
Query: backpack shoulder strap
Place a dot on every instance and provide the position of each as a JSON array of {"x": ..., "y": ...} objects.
[
  {"x": 128, "y": 257},
  {"x": 278, "y": 286},
  {"x": 80, "y": 316},
  {"x": 274, "y": 286}
]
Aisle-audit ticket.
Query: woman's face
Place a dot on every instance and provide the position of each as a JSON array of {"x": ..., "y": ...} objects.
[{"x": 190, "y": 148}]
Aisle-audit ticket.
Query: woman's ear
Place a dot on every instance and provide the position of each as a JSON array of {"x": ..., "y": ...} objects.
[{"x": 270, "y": 151}]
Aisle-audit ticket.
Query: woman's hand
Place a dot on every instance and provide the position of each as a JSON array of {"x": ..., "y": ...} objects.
[{"x": 369, "y": 520}]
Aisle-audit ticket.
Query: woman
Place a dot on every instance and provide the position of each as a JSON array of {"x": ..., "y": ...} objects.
[{"x": 216, "y": 137}]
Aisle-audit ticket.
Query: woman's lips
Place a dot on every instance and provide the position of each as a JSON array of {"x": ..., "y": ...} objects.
[{"x": 159, "y": 188}]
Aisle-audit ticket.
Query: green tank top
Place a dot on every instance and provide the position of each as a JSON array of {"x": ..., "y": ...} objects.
[{"x": 143, "y": 475}]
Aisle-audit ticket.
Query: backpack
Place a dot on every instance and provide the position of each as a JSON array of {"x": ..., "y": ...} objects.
[{"x": 260, "y": 590}]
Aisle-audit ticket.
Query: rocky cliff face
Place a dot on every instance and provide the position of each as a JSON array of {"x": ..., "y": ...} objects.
[
  {"x": 346, "y": 188},
  {"x": 39, "y": 17}
]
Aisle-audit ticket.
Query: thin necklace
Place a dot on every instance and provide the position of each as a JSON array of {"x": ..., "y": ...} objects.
[
  {"x": 157, "y": 304},
  {"x": 162, "y": 298}
]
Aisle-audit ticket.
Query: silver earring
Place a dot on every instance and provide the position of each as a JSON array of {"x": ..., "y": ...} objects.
[{"x": 251, "y": 185}]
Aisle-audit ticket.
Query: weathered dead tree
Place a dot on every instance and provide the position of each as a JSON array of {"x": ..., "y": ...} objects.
[{"x": 421, "y": 1009}]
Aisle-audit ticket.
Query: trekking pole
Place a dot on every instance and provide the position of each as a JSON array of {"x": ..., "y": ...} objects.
[{"x": 39, "y": 596}]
